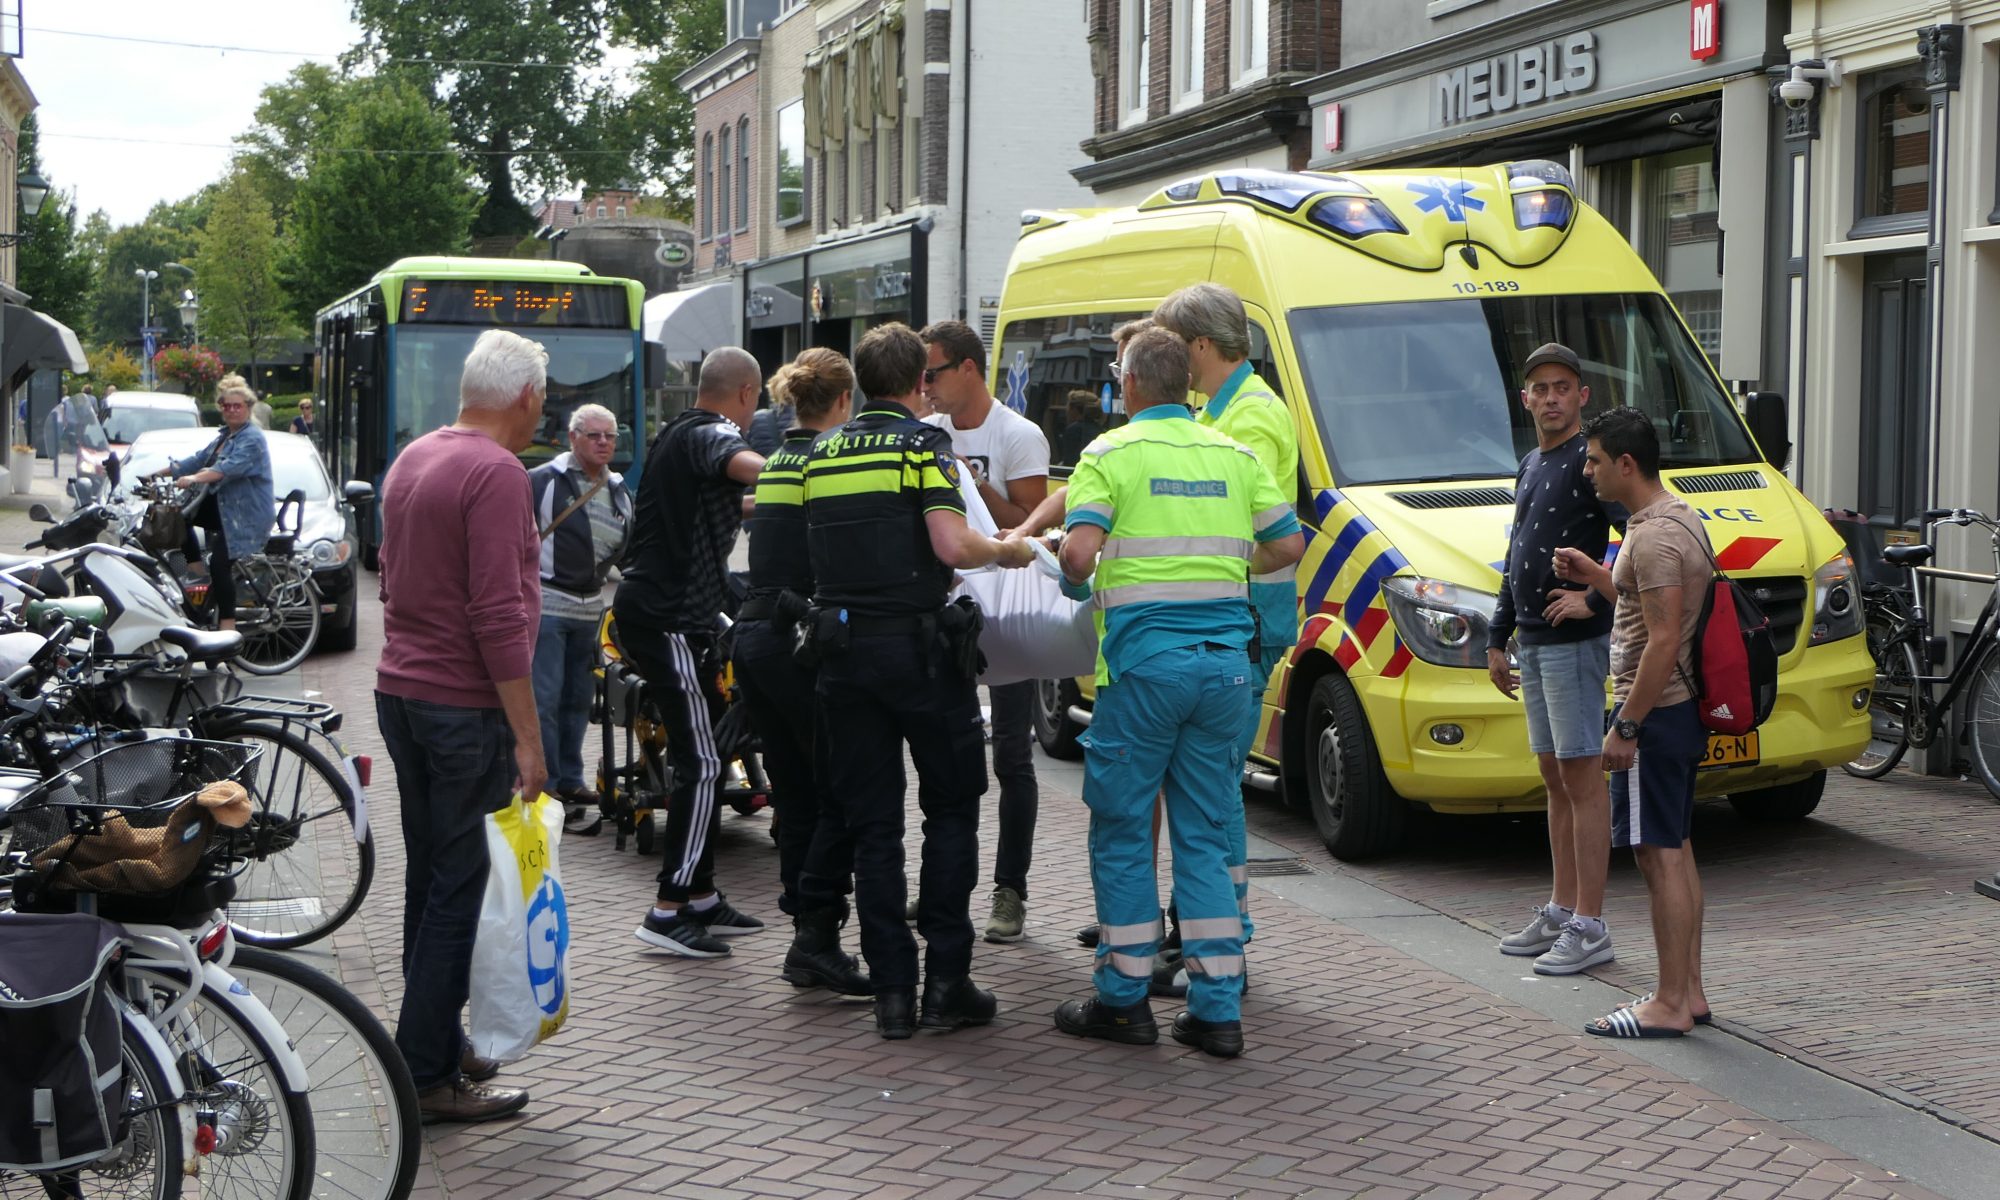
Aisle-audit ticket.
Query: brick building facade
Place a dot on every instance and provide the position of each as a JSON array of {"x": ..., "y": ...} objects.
[
  {"x": 1186, "y": 86},
  {"x": 892, "y": 146}
]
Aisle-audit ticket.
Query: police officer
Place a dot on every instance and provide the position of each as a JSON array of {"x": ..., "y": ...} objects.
[
  {"x": 817, "y": 388},
  {"x": 886, "y": 526},
  {"x": 1174, "y": 517},
  {"x": 1211, "y": 319}
]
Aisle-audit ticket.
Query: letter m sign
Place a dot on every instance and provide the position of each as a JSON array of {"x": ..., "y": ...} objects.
[{"x": 1704, "y": 28}]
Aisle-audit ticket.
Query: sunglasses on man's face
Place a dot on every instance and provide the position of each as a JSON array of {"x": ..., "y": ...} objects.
[{"x": 931, "y": 373}]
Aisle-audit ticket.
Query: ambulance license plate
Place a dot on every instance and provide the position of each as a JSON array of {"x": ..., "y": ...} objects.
[{"x": 1729, "y": 750}]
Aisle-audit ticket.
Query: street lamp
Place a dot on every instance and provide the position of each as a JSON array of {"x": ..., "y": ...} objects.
[
  {"x": 190, "y": 312},
  {"x": 146, "y": 279},
  {"x": 33, "y": 189}
]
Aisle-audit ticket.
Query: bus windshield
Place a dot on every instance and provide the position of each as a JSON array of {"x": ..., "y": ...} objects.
[
  {"x": 1430, "y": 390},
  {"x": 586, "y": 366}
]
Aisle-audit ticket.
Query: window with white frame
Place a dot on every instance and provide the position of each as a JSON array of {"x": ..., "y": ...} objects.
[
  {"x": 1190, "y": 31},
  {"x": 1135, "y": 75},
  {"x": 743, "y": 174},
  {"x": 705, "y": 196},
  {"x": 723, "y": 192},
  {"x": 1249, "y": 41}
]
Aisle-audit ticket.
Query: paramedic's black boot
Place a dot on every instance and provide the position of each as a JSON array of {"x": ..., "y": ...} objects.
[
  {"x": 815, "y": 958},
  {"x": 896, "y": 1012}
]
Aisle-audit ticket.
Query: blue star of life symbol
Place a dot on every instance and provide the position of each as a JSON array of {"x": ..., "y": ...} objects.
[
  {"x": 1453, "y": 196},
  {"x": 1017, "y": 382}
]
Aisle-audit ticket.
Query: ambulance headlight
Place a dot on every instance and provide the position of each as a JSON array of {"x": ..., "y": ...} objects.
[
  {"x": 1440, "y": 622},
  {"x": 1837, "y": 611},
  {"x": 1354, "y": 216}
]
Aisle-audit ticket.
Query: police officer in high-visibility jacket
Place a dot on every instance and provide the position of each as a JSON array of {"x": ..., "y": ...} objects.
[
  {"x": 1211, "y": 319},
  {"x": 885, "y": 526},
  {"x": 1174, "y": 517}
]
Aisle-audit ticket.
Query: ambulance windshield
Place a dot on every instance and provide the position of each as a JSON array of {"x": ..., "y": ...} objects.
[{"x": 1431, "y": 389}]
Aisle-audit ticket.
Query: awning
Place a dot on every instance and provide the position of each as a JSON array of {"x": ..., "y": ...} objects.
[
  {"x": 30, "y": 341},
  {"x": 692, "y": 323}
]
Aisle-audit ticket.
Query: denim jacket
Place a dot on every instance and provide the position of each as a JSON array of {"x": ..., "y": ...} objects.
[{"x": 244, "y": 496}]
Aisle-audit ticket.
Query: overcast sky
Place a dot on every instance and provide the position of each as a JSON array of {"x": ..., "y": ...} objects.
[{"x": 156, "y": 98}]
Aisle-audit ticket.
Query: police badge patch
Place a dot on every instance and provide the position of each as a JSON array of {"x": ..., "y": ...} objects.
[{"x": 948, "y": 467}]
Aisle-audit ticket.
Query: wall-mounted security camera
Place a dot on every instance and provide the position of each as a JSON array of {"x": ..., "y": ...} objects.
[{"x": 1798, "y": 90}]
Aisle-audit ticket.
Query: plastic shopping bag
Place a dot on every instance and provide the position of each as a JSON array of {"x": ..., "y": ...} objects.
[{"x": 520, "y": 956}]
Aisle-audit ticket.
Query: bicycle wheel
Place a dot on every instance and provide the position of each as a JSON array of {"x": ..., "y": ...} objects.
[
  {"x": 263, "y": 1128},
  {"x": 147, "y": 1163},
  {"x": 363, "y": 1103},
  {"x": 277, "y": 612},
  {"x": 306, "y": 874},
  {"x": 1889, "y": 709},
  {"x": 1982, "y": 720}
]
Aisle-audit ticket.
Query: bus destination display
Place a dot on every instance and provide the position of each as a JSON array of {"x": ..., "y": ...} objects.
[{"x": 506, "y": 302}]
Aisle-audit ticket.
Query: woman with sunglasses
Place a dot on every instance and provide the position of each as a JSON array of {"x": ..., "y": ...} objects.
[
  {"x": 584, "y": 514},
  {"x": 239, "y": 506}
]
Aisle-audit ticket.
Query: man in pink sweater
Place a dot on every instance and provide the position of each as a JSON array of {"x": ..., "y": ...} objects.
[{"x": 454, "y": 695}]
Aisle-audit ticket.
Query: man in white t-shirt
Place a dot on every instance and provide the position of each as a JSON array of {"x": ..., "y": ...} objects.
[{"x": 1008, "y": 456}]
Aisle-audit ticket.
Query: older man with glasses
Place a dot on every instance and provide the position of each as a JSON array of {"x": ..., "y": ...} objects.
[{"x": 584, "y": 514}]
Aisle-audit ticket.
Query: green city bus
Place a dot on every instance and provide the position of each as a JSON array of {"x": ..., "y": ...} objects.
[{"x": 388, "y": 357}]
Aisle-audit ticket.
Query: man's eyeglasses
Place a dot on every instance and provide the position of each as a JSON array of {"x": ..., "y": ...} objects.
[
  {"x": 1117, "y": 370},
  {"x": 931, "y": 373},
  {"x": 597, "y": 435}
]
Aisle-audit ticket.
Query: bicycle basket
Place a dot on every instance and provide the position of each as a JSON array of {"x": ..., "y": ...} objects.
[{"x": 147, "y": 827}]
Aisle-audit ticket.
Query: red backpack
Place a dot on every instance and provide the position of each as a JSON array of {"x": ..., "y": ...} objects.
[{"x": 1735, "y": 678}]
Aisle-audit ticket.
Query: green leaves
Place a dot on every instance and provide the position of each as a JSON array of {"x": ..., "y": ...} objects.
[{"x": 243, "y": 308}]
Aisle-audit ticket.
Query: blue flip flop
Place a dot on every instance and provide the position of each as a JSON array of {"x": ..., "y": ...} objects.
[{"x": 1620, "y": 1023}]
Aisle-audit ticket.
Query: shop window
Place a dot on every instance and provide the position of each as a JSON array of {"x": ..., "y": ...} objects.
[
  {"x": 1679, "y": 239},
  {"x": 791, "y": 164},
  {"x": 1135, "y": 75},
  {"x": 1249, "y": 41},
  {"x": 1895, "y": 154},
  {"x": 705, "y": 198},
  {"x": 743, "y": 173},
  {"x": 1190, "y": 29}
]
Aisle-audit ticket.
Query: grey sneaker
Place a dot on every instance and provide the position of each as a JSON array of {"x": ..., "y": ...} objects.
[
  {"x": 1010, "y": 912},
  {"x": 1575, "y": 950},
  {"x": 1540, "y": 934}
]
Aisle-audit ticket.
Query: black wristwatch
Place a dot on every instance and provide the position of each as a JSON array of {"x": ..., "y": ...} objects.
[{"x": 1629, "y": 730}]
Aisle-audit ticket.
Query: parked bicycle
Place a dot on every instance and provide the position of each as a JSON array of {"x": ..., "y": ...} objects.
[{"x": 1912, "y": 702}]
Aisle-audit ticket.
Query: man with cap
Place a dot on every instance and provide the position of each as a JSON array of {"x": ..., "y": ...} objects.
[{"x": 1563, "y": 649}]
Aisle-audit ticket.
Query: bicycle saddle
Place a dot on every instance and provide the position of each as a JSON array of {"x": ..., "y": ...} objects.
[
  {"x": 1907, "y": 556},
  {"x": 203, "y": 645}
]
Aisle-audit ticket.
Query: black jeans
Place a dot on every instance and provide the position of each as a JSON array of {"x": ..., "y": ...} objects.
[
  {"x": 1014, "y": 767},
  {"x": 453, "y": 766},
  {"x": 876, "y": 697},
  {"x": 221, "y": 575},
  {"x": 779, "y": 696},
  {"x": 680, "y": 683}
]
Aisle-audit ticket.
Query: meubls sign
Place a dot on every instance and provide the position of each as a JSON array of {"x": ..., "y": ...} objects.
[{"x": 1519, "y": 79}]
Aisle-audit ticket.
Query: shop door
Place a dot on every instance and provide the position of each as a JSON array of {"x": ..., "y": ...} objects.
[{"x": 1895, "y": 441}]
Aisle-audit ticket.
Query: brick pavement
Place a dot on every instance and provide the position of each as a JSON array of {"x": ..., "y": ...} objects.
[
  {"x": 1853, "y": 941},
  {"x": 1368, "y": 1072}
]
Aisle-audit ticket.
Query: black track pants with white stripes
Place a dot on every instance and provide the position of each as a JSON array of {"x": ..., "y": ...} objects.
[{"x": 684, "y": 691}]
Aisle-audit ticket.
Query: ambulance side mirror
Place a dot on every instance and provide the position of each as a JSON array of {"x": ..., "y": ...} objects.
[{"x": 1765, "y": 412}]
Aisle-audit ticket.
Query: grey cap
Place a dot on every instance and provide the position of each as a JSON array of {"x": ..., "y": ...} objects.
[{"x": 1553, "y": 352}]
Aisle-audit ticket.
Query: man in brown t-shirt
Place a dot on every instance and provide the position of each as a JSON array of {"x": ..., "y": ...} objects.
[{"x": 1656, "y": 738}]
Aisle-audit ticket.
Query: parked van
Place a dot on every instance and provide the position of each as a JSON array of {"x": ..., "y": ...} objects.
[{"x": 1392, "y": 310}]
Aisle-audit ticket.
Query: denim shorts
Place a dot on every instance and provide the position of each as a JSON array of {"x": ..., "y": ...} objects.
[{"x": 1562, "y": 689}]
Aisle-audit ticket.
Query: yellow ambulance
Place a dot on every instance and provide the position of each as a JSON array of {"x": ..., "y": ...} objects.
[{"x": 1392, "y": 310}]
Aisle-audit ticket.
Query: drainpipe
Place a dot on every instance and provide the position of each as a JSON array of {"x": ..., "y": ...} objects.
[{"x": 965, "y": 168}]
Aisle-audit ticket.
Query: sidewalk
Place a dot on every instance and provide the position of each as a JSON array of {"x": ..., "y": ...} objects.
[{"x": 1367, "y": 1070}]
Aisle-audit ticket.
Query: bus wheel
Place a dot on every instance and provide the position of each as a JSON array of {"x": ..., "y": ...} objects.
[
  {"x": 1793, "y": 801},
  {"x": 1358, "y": 814}
]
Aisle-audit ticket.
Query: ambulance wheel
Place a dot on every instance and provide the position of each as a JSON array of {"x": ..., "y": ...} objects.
[
  {"x": 1054, "y": 730},
  {"x": 1793, "y": 801},
  {"x": 1357, "y": 813}
]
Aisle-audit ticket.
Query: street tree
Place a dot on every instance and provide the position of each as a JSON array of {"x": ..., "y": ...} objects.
[
  {"x": 166, "y": 235},
  {"x": 243, "y": 309},
  {"x": 516, "y": 76},
  {"x": 649, "y": 131},
  {"x": 293, "y": 117},
  {"x": 54, "y": 267},
  {"x": 384, "y": 184}
]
